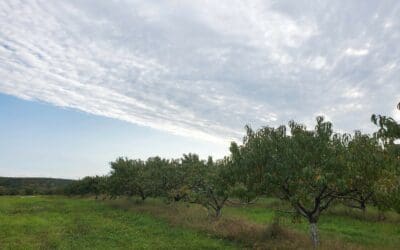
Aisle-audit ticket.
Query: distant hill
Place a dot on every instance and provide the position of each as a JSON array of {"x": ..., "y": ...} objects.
[{"x": 32, "y": 186}]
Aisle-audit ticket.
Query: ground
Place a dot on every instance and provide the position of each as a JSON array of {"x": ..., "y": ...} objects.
[
  {"x": 55, "y": 222},
  {"x": 63, "y": 223}
]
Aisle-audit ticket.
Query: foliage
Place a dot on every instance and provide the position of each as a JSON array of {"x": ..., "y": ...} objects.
[
  {"x": 32, "y": 186},
  {"x": 130, "y": 177},
  {"x": 305, "y": 168},
  {"x": 388, "y": 192},
  {"x": 366, "y": 169},
  {"x": 89, "y": 185},
  {"x": 211, "y": 185},
  {"x": 310, "y": 169}
]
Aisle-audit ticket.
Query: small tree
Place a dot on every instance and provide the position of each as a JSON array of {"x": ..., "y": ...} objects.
[
  {"x": 129, "y": 177},
  {"x": 157, "y": 177},
  {"x": 99, "y": 185},
  {"x": 366, "y": 168},
  {"x": 388, "y": 189},
  {"x": 305, "y": 168},
  {"x": 177, "y": 176},
  {"x": 248, "y": 181},
  {"x": 86, "y": 186},
  {"x": 210, "y": 184}
]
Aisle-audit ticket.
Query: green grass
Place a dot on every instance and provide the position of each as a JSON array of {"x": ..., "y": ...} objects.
[
  {"x": 71, "y": 223},
  {"x": 333, "y": 224},
  {"x": 63, "y": 223}
]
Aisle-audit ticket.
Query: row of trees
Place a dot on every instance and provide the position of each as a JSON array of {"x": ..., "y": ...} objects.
[
  {"x": 190, "y": 179},
  {"x": 310, "y": 169}
]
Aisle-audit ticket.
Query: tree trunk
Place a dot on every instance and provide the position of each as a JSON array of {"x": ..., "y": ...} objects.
[
  {"x": 218, "y": 212},
  {"x": 142, "y": 195},
  {"x": 177, "y": 197},
  {"x": 381, "y": 216},
  {"x": 314, "y": 234},
  {"x": 363, "y": 209}
]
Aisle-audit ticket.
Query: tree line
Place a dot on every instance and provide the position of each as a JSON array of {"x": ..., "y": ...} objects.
[
  {"x": 310, "y": 169},
  {"x": 32, "y": 186}
]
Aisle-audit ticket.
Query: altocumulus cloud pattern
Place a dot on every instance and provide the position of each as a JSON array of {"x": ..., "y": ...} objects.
[{"x": 205, "y": 68}]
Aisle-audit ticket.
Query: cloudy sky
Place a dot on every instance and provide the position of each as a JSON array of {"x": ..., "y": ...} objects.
[{"x": 184, "y": 75}]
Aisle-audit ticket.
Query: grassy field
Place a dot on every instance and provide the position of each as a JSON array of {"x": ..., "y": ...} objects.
[
  {"x": 72, "y": 223},
  {"x": 62, "y": 223},
  {"x": 343, "y": 224},
  {"x": 252, "y": 225}
]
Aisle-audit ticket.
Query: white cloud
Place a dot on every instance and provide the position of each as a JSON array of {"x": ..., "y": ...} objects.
[
  {"x": 356, "y": 52},
  {"x": 388, "y": 25},
  {"x": 318, "y": 62},
  {"x": 203, "y": 69},
  {"x": 353, "y": 93}
]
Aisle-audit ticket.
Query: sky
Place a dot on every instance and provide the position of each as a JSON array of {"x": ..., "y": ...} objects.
[{"x": 85, "y": 81}]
